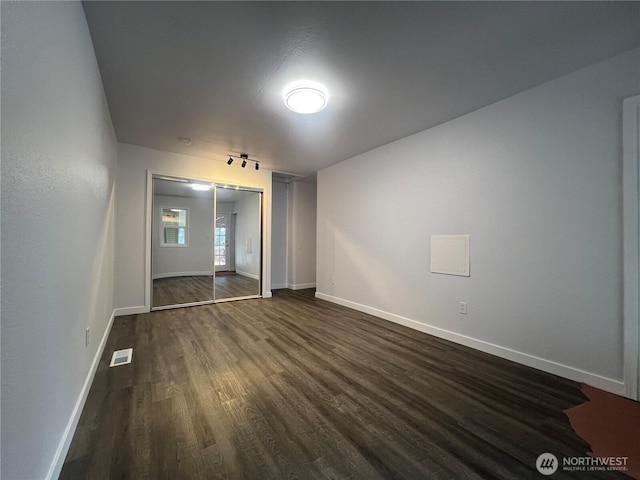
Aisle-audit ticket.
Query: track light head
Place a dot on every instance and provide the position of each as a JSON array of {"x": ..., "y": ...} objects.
[{"x": 245, "y": 159}]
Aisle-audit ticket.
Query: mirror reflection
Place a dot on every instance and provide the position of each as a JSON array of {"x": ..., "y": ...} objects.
[
  {"x": 205, "y": 243},
  {"x": 181, "y": 239},
  {"x": 237, "y": 243}
]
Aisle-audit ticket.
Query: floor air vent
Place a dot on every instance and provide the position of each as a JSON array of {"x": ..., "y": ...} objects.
[{"x": 121, "y": 357}]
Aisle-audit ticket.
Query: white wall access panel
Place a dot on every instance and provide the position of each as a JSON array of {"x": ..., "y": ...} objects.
[{"x": 450, "y": 254}]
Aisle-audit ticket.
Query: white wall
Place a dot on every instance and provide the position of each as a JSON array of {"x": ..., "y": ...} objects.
[
  {"x": 279, "y": 236},
  {"x": 58, "y": 171},
  {"x": 302, "y": 235},
  {"x": 536, "y": 181},
  {"x": 131, "y": 210},
  {"x": 197, "y": 258},
  {"x": 248, "y": 236},
  {"x": 225, "y": 207}
]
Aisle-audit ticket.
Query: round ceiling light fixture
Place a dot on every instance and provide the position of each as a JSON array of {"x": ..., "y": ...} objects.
[{"x": 306, "y": 97}]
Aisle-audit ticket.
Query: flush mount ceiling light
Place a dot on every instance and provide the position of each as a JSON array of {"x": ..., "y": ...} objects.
[{"x": 306, "y": 97}]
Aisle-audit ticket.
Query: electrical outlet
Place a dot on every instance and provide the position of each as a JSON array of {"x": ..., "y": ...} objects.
[
  {"x": 332, "y": 280},
  {"x": 87, "y": 337},
  {"x": 462, "y": 308}
]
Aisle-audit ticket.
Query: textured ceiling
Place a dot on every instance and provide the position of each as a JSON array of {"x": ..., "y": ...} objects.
[{"x": 214, "y": 71}]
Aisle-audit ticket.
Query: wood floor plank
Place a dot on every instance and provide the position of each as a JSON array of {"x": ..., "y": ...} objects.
[
  {"x": 199, "y": 288},
  {"x": 294, "y": 387}
]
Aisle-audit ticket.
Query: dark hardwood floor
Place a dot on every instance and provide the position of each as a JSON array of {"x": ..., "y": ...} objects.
[
  {"x": 233, "y": 285},
  {"x": 180, "y": 290},
  {"x": 295, "y": 387}
]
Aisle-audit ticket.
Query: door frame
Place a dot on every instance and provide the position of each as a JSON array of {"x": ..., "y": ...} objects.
[
  {"x": 631, "y": 245},
  {"x": 231, "y": 256}
]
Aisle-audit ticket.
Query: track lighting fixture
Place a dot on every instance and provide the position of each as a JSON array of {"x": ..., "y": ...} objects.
[{"x": 245, "y": 159}]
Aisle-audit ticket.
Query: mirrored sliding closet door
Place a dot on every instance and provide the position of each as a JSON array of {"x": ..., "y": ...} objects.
[
  {"x": 237, "y": 255},
  {"x": 205, "y": 243},
  {"x": 181, "y": 240}
]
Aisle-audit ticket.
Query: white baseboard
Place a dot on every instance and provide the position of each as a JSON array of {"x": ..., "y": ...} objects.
[
  {"x": 207, "y": 273},
  {"x": 300, "y": 286},
  {"x": 549, "y": 366},
  {"x": 248, "y": 275},
  {"x": 267, "y": 295},
  {"x": 278, "y": 286},
  {"x": 67, "y": 436},
  {"x": 119, "y": 312}
]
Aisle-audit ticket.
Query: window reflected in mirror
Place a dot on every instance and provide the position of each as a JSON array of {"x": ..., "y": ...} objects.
[
  {"x": 174, "y": 227},
  {"x": 221, "y": 242}
]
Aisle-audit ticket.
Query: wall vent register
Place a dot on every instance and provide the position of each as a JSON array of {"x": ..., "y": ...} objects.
[{"x": 121, "y": 357}]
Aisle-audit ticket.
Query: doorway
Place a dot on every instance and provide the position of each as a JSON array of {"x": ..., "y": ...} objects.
[{"x": 222, "y": 244}]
